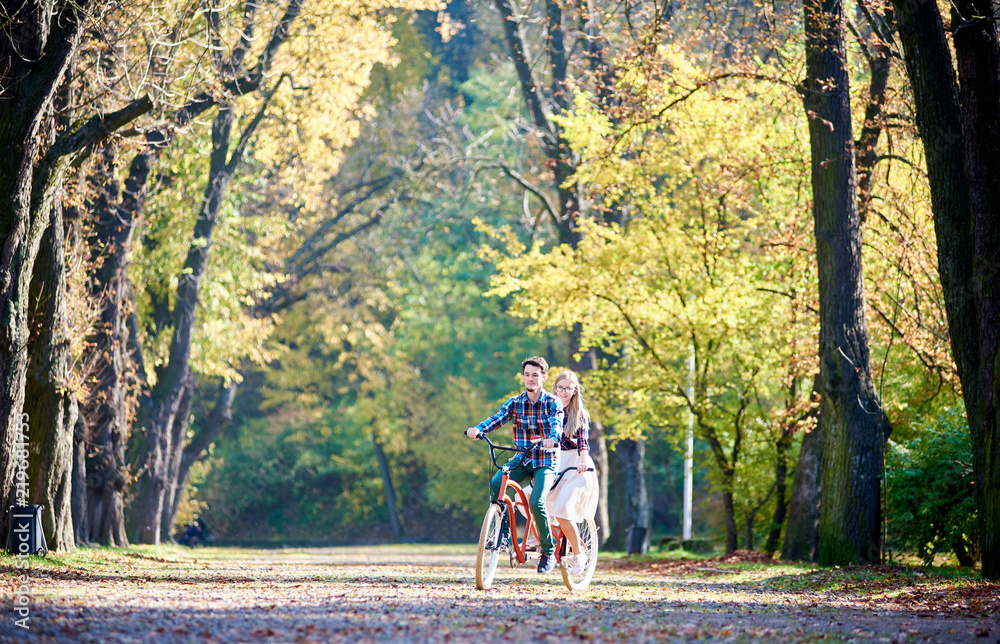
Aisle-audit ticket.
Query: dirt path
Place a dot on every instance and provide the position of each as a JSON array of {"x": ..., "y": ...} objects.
[{"x": 427, "y": 593}]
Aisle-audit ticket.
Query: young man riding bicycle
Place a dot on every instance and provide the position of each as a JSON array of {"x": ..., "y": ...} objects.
[{"x": 538, "y": 418}]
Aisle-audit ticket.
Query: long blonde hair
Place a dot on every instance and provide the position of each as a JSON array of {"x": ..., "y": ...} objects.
[{"x": 576, "y": 410}]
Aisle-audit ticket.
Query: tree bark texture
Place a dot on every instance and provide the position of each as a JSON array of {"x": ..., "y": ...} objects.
[
  {"x": 38, "y": 43},
  {"x": 172, "y": 491},
  {"x": 196, "y": 450},
  {"x": 727, "y": 471},
  {"x": 781, "y": 491},
  {"x": 879, "y": 55},
  {"x": 977, "y": 49},
  {"x": 802, "y": 532},
  {"x": 49, "y": 402},
  {"x": 801, "y": 541},
  {"x": 390, "y": 491},
  {"x": 851, "y": 419},
  {"x": 106, "y": 410},
  {"x": 630, "y": 455},
  {"x": 81, "y": 519},
  {"x": 959, "y": 132}
]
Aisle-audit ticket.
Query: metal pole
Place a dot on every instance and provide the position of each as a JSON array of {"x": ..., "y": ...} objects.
[{"x": 689, "y": 454}]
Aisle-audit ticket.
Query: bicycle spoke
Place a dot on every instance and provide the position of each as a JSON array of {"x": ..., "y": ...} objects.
[
  {"x": 587, "y": 531},
  {"x": 489, "y": 550}
]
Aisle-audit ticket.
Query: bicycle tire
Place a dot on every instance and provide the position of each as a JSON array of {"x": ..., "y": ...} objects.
[
  {"x": 488, "y": 554},
  {"x": 587, "y": 530}
]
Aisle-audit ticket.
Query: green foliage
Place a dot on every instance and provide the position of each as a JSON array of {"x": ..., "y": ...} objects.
[
  {"x": 931, "y": 493},
  {"x": 400, "y": 341},
  {"x": 239, "y": 268},
  {"x": 697, "y": 250},
  {"x": 295, "y": 478}
]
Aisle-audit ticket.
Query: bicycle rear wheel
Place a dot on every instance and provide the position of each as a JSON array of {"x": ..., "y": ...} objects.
[
  {"x": 588, "y": 542},
  {"x": 490, "y": 538}
]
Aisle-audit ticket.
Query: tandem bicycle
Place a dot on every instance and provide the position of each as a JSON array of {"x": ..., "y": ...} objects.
[{"x": 495, "y": 539}]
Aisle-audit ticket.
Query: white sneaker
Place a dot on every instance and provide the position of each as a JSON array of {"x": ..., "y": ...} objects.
[{"x": 579, "y": 565}]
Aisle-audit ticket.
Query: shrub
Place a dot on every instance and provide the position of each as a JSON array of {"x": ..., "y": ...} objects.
[{"x": 931, "y": 493}]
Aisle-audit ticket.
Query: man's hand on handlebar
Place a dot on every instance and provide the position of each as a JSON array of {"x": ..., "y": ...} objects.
[
  {"x": 548, "y": 443},
  {"x": 472, "y": 432}
]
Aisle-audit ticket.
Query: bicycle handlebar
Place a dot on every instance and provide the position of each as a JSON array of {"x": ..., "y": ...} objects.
[{"x": 494, "y": 447}]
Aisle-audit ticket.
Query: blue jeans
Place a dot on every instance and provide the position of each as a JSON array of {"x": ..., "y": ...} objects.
[{"x": 543, "y": 477}]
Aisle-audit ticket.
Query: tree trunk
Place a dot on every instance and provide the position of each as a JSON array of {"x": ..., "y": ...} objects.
[
  {"x": 173, "y": 492},
  {"x": 390, "y": 491},
  {"x": 39, "y": 42},
  {"x": 977, "y": 49},
  {"x": 802, "y": 532},
  {"x": 879, "y": 56},
  {"x": 628, "y": 505},
  {"x": 781, "y": 489},
  {"x": 81, "y": 518},
  {"x": 852, "y": 422},
  {"x": 563, "y": 164},
  {"x": 154, "y": 441},
  {"x": 726, "y": 465},
  {"x": 748, "y": 531},
  {"x": 599, "y": 452},
  {"x": 107, "y": 409},
  {"x": 752, "y": 514},
  {"x": 967, "y": 234},
  {"x": 38, "y": 49},
  {"x": 49, "y": 402},
  {"x": 729, "y": 510},
  {"x": 154, "y": 444},
  {"x": 635, "y": 515},
  {"x": 198, "y": 447}
]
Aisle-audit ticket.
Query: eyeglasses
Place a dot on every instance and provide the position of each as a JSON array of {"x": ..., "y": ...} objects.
[{"x": 565, "y": 390}]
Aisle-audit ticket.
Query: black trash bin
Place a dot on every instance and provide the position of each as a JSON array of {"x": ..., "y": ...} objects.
[{"x": 24, "y": 532}]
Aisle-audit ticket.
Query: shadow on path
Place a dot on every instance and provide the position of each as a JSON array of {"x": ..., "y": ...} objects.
[{"x": 206, "y": 596}]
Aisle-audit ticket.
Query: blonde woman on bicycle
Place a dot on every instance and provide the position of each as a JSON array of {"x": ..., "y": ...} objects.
[{"x": 574, "y": 497}]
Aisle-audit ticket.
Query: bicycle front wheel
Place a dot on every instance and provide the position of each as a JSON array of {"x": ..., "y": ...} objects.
[
  {"x": 588, "y": 542},
  {"x": 490, "y": 541}
]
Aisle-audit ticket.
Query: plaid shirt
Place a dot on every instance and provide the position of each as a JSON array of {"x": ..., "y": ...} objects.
[
  {"x": 581, "y": 440},
  {"x": 540, "y": 419}
]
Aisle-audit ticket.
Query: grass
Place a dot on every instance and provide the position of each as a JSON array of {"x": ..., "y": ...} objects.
[
  {"x": 656, "y": 555},
  {"x": 874, "y": 579},
  {"x": 97, "y": 559}
]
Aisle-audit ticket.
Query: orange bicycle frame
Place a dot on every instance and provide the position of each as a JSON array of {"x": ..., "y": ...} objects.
[{"x": 520, "y": 546}]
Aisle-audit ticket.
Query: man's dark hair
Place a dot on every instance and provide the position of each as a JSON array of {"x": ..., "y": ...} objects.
[{"x": 537, "y": 361}]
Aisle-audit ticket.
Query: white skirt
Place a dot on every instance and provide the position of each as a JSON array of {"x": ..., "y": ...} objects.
[{"x": 575, "y": 497}]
